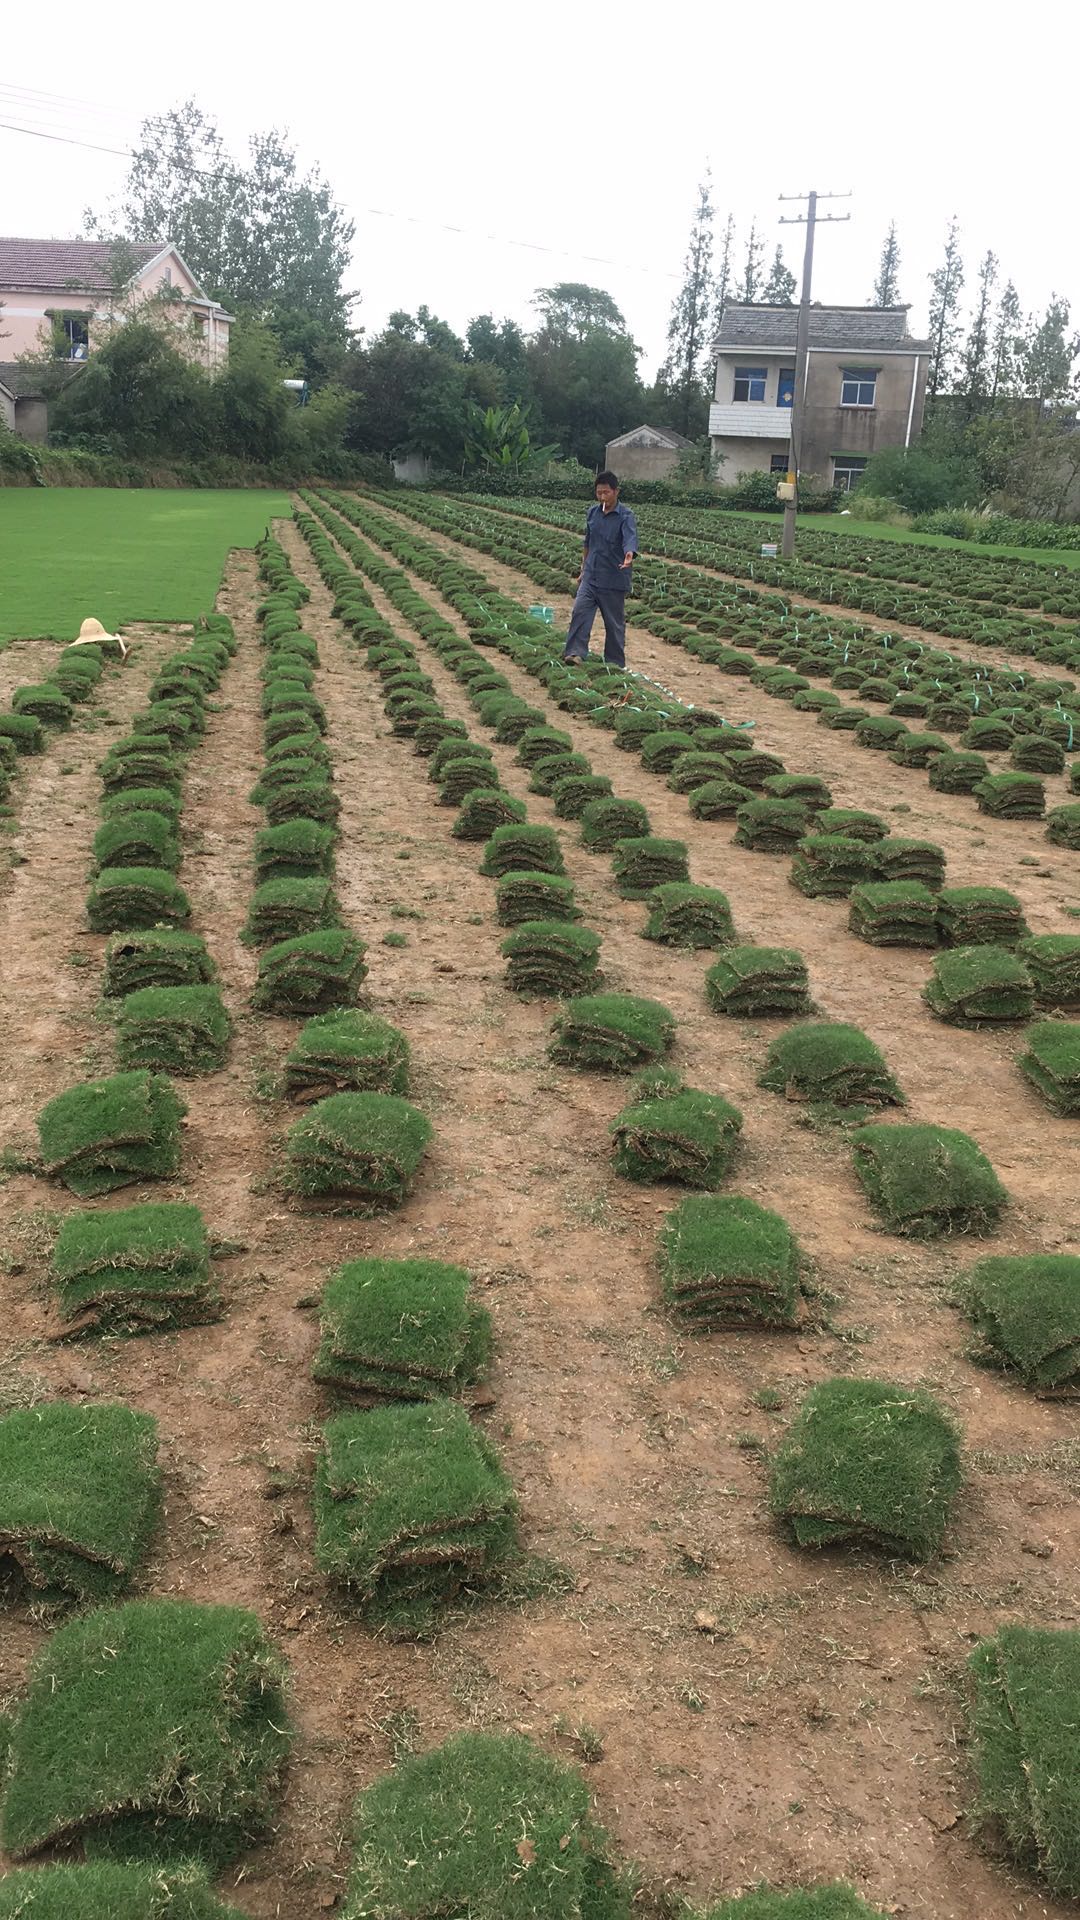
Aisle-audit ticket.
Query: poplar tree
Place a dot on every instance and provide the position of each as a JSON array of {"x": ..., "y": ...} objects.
[
  {"x": 722, "y": 291},
  {"x": 1005, "y": 345},
  {"x": 978, "y": 357},
  {"x": 683, "y": 371},
  {"x": 887, "y": 285},
  {"x": 781, "y": 283},
  {"x": 751, "y": 280},
  {"x": 946, "y": 284}
]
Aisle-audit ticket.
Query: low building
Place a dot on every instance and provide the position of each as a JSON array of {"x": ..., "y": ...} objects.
[
  {"x": 646, "y": 453},
  {"x": 23, "y": 406},
  {"x": 63, "y": 297},
  {"x": 865, "y": 390}
]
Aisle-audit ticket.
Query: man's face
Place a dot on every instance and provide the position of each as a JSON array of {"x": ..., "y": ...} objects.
[{"x": 607, "y": 496}]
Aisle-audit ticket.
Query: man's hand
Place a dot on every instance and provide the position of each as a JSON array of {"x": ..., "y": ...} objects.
[{"x": 628, "y": 562}]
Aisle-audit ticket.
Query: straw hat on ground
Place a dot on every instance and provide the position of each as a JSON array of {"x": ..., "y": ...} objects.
[{"x": 93, "y": 634}]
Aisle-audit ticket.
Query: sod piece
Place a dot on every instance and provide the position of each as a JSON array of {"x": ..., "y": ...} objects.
[
  {"x": 1052, "y": 1063},
  {"x": 605, "y": 822},
  {"x": 151, "y": 1726},
  {"x": 1027, "y": 1309},
  {"x": 182, "y": 1030},
  {"x": 1053, "y": 961},
  {"x": 105, "y": 1891},
  {"x": 831, "y": 1065},
  {"x": 294, "y": 850},
  {"x": 573, "y": 792},
  {"x": 660, "y": 750},
  {"x": 156, "y": 957},
  {"x": 1026, "y": 1696},
  {"x": 551, "y": 958},
  {"x": 484, "y": 810},
  {"x": 134, "y": 1268},
  {"x": 771, "y": 826},
  {"x": 682, "y": 915},
  {"x": 411, "y": 1508},
  {"x": 312, "y": 799},
  {"x": 310, "y": 973},
  {"x": 980, "y": 916},
  {"x": 726, "y": 1262},
  {"x": 693, "y": 769},
  {"x": 894, "y": 913},
  {"x": 925, "y": 1181},
  {"x": 850, "y": 823},
  {"x": 24, "y": 730},
  {"x": 867, "y": 1464},
  {"x": 1063, "y": 826},
  {"x": 362, "y": 1147},
  {"x": 453, "y": 750},
  {"x": 958, "y": 772},
  {"x": 688, "y": 1137},
  {"x": 538, "y": 743},
  {"x": 827, "y": 865},
  {"x": 109, "y": 1133},
  {"x": 807, "y": 788},
  {"x": 1011, "y": 796},
  {"x": 466, "y": 1815},
  {"x": 978, "y": 986},
  {"x": 463, "y": 776},
  {"x": 611, "y": 1032},
  {"x": 718, "y": 799},
  {"x": 78, "y": 1495},
  {"x": 534, "y": 896},
  {"x": 750, "y": 982},
  {"x": 346, "y": 1052},
  {"x": 752, "y": 766},
  {"x": 138, "y": 768},
  {"x": 897, "y": 859},
  {"x": 124, "y": 897},
  {"x": 641, "y": 864},
  {"x": 137, "y": 839},
  {"x": 831, "y": 1901},
  {"x": 1034, "y": 753},
  {"x": 401, "y": 1330},
  {"x": 284, "y": 909},
  {"x": 522, "y": 849},
  {"x": 918, "y": 749}
]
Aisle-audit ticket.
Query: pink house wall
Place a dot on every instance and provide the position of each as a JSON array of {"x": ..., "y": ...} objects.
[{"x": 24, "y": 323}]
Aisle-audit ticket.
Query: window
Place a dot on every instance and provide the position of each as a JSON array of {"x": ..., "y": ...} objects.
[
  {"x": 778, "y": 462},
  {"x": 848, "y": 470},
  {"x": 785, "y": 389},
  {"x": 750, "y": 383},
  {"x": 71, "y": 335},
  {"x": 857, "y": 386}
]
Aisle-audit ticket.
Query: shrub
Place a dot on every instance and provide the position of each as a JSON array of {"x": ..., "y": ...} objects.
[
  {"x": 975, "y": 986},
  {"x": 687, "y": 1136},
  {"x": 522, "y": 849},
  {"x": 925, "y": 1181},
  {"x": 346, "y": 1052},
  {"x": 682, "y": 915},
  {"x": 1052, "y": 1063},
  {"x": 726, "y": 1262},
  {"x": 550, "y": 958},
  {"x": 104, "y": 1891},
  {"x": 156, "y": 957},
  {"x": 106, "y": 1134},
  {"x": 717, "y": 799},
  {"x": 894, "y": 913},
  {"x": 401, "y": 1330},
  {"x": 484, "y": 810},
  {"x": 134, "y": 1268},
  {"x": 830, "y": 1065},
  {"x": 980, "y": 916},
  {"x": 1027, "y": 1309},
  {"x": 758, "y": 982},
  {"x": 159, "y": 1723},
  {"x": 1011, "y": 796},
  {"x": 293, "y": 850},
  {"x": 1053, "y": 961},
  {"x": 640, "y": 865},
  {"x": 411, "y": 1507},
  {"x": 1026, "y": 1684},
  {"x": 611, "y": 1032},
  {"x": 134, "y": 897},
  {"x": 364, "y": 1147},
  {"x": 285, "y": 909},
  {"x": 605, "y": 822},
  {"x": 867, "y": 1464},
  {"x": 1063, "y": 826},
  {"x": 78, "y": 1495}
]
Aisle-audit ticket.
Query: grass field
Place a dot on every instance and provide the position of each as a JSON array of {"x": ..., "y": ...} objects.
[
  {"x": 878, "y": 530},
  {"x": 69, "y": 552}
]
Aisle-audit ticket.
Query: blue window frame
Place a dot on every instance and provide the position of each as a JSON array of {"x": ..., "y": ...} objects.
[
  {"x": 858, "y": 386},
  {"x": 750, "y": 383},
  {"x": 785, "y": 390}
]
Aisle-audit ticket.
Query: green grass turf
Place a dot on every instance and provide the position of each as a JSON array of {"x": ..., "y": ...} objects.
[
  {"x": 550, "y": 958},
  {"x": 880, "y": 530},
  {"x": 833, "y": 1902},
  {"x": 346, "y": 1051},
  {"x": 687, "y": 1136},
  {"x": 830, "y": 1065},
  {"x": 311, "y": 973},
  {"x": 104, "y": 1891},
  {"x": 1023, "y": 1723},
  {"x": 148, "y": 554},
  {"x": 132, "y": 1266},
  {"x": 725, "y": 1261},
  {"x": 401, "y": 1330},
  {"x": 1052, "y": 1063},
  {"x": 78, "y": 1495},
  {"x": 365, "y": 1147},
  {"x": 109, "y": 1133},
  {"x": 684, "y": 915},
  {"x": 182, "y": 1030},
  {"x": 928, "y": 1180},
  {"x": 611, "y": 1032},
  {"x": 1027, "y": 1309}
]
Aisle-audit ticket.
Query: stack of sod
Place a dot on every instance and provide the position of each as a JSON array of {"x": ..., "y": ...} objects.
[
  {"x": 411, "y": 1508},
  {"x": 1026, "y": 1684},
  {"x": 138, "y": 837},
  {"x": 752, "y": 982},
  {"x": 181, "y": 1030},
  {"x": 522, "y": 849},
  {"x": 45, "y": 703},
  {"x": 363, "y": 1147},
  {"x": 78, "y": 1495},
  {"x": 1053, "y": 961},
  {"x": 547, "y": 772},
  {"x": 918, "y": 749},
  {"x": 726, "y": 1262},
  {"x": 834, "y": 1901},
  {"x": 685, "y": 1136},
  {"x": 551, "y": 958},
  {"x": 694, "y": 769},
  {"x": 827, "y": 865},
  {"x": 958, "y": 772},
  {"x": 401, "y": 1330},
  {"x": 293, "y": 851},
  {"x": 894, "y": 913},
  {"x": 1027, "y": 1309},
  {"x": 1034, "y": 753},
  {"x": 867, "y": 1464},
  {"x": 346, "y": 1052},
  {"x": 484, "y": 810},
  {"x": 139, "y": 765},
  {"x": 284, "y": 909},
  {"x": 978, "y": 986},
  {"x": 611, "y": 1032},
  {"x": 155, "y": 1727},
  {"x": 156, "y": 957},
  {"x": 104, "y": 1891},
  {"x": 447, "y": 1833},
  {"x": 534, "y": 896},
  {"x": 830, "y": 1065},
  {"x": 310, "y": 973},
  {"x": 1011, "y": 796},
  {"x": 771, "y": 826},
  {"x": 752, "y": 766},
  {"x": 917, "y": 860},
  {"x": 1063, "y": 826},
  {"x": 573, "y": 792},
  {"x": 539, "y": 743},
  {"x": 980, "y": 917},
  {"x": 124, "y": 897},
  {"x": 109, "y": 1133},
  {"x": 717, "y": 799},
  {"x": 455, "y": 750},
  {"x": 682, "y": 915},
  {"x": 605, "y": 822},
  {"x": 134, "y": 1268},
  {"x": 851, "y": 824},
  {"x": 926, "y": 1181},
  {"x": 640, "y": 865},
  {"x": 1052, "y": 1063},
  {"x": 807, "y": 788},
  {"x": 26, "y": 733}
]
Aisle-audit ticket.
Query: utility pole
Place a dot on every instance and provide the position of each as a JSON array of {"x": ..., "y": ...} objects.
[{"x": 802, "y": 348}]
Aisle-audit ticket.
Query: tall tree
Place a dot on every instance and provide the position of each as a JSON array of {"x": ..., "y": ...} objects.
[
  {"x": 781, "y": 283},
  {"x": 946, "y": 285},
  {"x": 502, "y": 345},
  {"x": 976, "y": 365},
  {"x": 684, "y": 369},
  {"x": 583, "y": 368},
  {"x": 887, "y": 285},
  {"x": 725, "y": 269},
  {"x": 572, "y": 311},
  {"x": 750, "y": 287},
  {"x": 1048, "y": 355},
  {"x": 1005, "y": 346}
]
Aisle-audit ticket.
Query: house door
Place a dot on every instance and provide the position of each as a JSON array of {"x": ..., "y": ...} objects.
[{"x": 785, "y": 391}]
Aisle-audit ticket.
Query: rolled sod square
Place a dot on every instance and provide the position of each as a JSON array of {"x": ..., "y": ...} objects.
[
  {"x": 897, "y": 859},
  {"x": 682, "y": 915},
  {"x": 103, "y": 1890},
  {"x": 182, "y": 1734},
  {"x": 539, "y": 743},
  {"x": 754, "y": 766},
  {"x": 870, "y": 1464},
  {"x": 717, "y": 799},
  {"x": 462, "y": 775},
  {"x": 411, "y": 1508},
  {"x": 979, "y": 986},
  {"x": 484, "y": 810},
  {"x": 660, "y": 750},
  {"x": 1063, "y": 826},
  {"x": 401, "y": 1330},
  {"x": 124, "y": 897},
  {"x": 844, "y": 719},
  {"x": 693, "y": 769},
  {"x": 45, "y": 703},
  {"x": 918, "y": 749},
  {"x": 1011, "y": 796},
  {"x": 303, "y": 800},
  {"x": 808, "y": 788},
  {"x": 831, "y": 1901},
  {"x": 293, "y": 851},
  {"x": 156, "y": 957},
  {"x": 450, "y": 751},
  {"x": 362, "y": 1147},
  {"x": 284, "y": 909},
  {"x": 534, "y": 896},
  {"x": 551, "y": 958},
  {"x": 633, "y": 727},
  {"x": 830, "y": 1065},
  {"x": 605, "y": 822},
  {"x": 958, "y": 772},
  {"x": 989, "y": 732},
  {"x": 155, "y": 800},
  {"x": 110, "y": 1133},
  {"x": 546, "y": 773},
  {"x": 1053, "y": 961},
  {"x": 140, "y": 768},
  {"x": 134, "y": 1268},
  {"x": 639, "y": 865},
  {"x": 516, "y": 720},
  {"x": 726, "y": 1262},
  {"x": 611, "y": 1032},
  {"x": 24, "y": 730},
  {"x": 926, "y": 1181},
  {"x": 571, "y": 793},
  {"x": 300, "y": 746},
  {"x": 430, "y": 733},
  {"x": 1027, "y": 1309},
  {"x": 516, "y": 849},
  {"x": 287, "y": 721},
  {"x": 894, "y": 913},
  {"x": 1051, "y": 1062},
  {"x": 182, "y": 1030},
  {"x": 771, "y": 826},
  {"x": 1025, "y": 1700},
  {"x": 827, "y": 865},
  {"x": 749, "y": 982},
  {"x": 346, "y": 1052},
  {"x": 851, "y": 824},
  {"x": 79, "y": 1492},
  {"x": 688, "y": 1137},
  {"x": 980, "y": 916}
]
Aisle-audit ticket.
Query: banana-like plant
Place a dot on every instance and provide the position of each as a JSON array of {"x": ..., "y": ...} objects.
[{"x": 498, "y": 438}]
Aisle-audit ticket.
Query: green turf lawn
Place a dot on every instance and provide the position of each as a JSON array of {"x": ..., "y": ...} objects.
[
  {"x": 70, "y": 552},
  {"x": 879, "y": 530}
]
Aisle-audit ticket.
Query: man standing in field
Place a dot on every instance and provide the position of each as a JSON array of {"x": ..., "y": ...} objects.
[{"x": 611, "y": 544}]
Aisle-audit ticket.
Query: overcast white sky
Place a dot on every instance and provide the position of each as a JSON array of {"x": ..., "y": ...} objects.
[{"x": 584, "y": 130}]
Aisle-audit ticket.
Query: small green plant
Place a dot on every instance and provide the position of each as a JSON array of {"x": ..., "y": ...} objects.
[{"x": 394, "y": 939}]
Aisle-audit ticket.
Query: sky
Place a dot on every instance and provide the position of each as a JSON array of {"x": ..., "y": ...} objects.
[{"x": 486, "y": 150}]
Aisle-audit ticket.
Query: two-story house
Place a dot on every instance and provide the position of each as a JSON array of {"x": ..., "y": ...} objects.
[
  {"x": 63, "y": 296},
  {"x": 865, "y": 389}
]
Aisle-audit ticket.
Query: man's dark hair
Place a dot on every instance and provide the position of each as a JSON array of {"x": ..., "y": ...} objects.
[{"x": 606, "y": 479}]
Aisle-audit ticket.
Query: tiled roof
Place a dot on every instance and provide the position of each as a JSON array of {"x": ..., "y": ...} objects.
[
  {"x": 854, "y": 329},
  {"x": 667, "y": 435},
  {"x": 80, "y": 264},
  {"x": 20, "y": 381}
]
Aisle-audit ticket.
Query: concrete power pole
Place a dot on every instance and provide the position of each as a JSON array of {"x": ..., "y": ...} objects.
[{"x": 802, "y": 348}]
